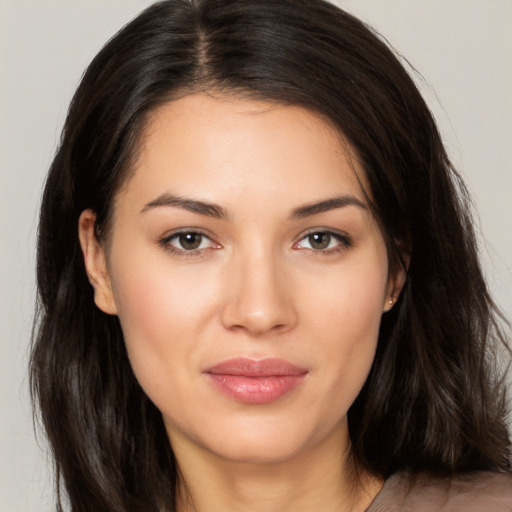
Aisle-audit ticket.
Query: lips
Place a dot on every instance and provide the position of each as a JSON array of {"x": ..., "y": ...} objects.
[{"x": 255, "y": 382}]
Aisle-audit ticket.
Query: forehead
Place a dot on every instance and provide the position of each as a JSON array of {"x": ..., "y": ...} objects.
[{"x": 221, "y": 147}]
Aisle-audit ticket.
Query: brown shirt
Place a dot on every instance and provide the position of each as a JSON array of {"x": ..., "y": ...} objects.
[{"x": 474, "y": 492}]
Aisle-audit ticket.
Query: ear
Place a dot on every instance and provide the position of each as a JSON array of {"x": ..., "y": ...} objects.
[
  {"x": 96, "y": 263},
  {"x": 396, "y": 281}
]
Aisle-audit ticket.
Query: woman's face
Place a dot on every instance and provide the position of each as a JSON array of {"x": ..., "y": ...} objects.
[{"x": 248, "y": 275}]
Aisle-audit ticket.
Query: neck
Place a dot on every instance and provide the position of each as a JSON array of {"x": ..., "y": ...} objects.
[{"x": 324, "y": 477}]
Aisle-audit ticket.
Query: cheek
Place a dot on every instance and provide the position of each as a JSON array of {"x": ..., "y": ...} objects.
[
  {"x": 162, "y": 312},
  {"x": 147, "y": 308},
  {"x": 350, "y": 300},
  {"x": 347, "y": 317}
]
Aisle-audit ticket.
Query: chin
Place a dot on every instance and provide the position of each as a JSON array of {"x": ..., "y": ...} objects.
[
  {"x": 265, "y": 440},
  {"x": 258, "y": 451}
]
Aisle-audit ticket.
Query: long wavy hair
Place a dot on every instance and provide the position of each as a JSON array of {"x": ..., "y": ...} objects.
[{"x": 433, "y": 400}]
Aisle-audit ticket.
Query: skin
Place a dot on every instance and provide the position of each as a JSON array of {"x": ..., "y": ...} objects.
[{"x": 256, "y": 287}]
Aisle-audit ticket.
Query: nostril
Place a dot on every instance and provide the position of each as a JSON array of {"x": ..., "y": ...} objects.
[
  {"x": 256, "y": 324},
  {"x": 258, "y": 302}
]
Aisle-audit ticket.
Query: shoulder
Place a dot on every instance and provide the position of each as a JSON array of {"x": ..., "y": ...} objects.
[{"x": 470, "y": 492}]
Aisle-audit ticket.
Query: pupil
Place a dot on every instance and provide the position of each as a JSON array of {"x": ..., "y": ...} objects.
[
  {"x": 319, "y": 240},
  {"x": 190, "y": 241}
]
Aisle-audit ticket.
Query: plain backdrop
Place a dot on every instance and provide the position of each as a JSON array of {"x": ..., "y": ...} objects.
[{"x": 463, "y": 49}]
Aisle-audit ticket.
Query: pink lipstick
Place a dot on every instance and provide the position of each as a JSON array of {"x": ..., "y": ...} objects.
[{"x": 255, "y": 382}]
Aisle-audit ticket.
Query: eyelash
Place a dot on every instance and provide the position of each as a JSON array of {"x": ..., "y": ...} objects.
[
  {"x": 344, "y": 242},
  {"x": 166, "y": 242}
]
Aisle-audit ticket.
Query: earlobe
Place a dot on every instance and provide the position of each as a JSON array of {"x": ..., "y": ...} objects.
[
  {"x": 390, "y": 300},
  {"x": 95, "y": 263},
  {"x": 396, "y": 283}
]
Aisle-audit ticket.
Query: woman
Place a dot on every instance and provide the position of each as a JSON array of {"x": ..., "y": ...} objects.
[{"x": 258, "y": 277}]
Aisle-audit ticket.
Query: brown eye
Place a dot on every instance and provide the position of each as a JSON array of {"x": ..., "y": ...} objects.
[
  {"x": 189, "y": 241},
  {"x": 319, "y": 241},
  {"x": 326, "y": 242}
]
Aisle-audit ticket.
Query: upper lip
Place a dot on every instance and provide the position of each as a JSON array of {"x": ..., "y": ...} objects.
[{"x": 270, "y": 367}]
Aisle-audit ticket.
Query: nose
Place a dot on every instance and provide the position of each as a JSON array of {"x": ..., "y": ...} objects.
[{"x": 260, "y": 296}]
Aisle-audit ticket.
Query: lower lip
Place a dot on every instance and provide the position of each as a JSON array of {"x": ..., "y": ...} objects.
[{"x": 255, "y": 390}]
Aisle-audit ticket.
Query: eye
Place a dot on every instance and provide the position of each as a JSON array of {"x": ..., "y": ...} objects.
[
  {"x": 323, "y": 241},
  {"x": 187, "y": 242}
]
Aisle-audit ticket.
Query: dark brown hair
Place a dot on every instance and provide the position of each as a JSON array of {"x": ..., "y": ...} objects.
[{"x": 433, "y": 400}]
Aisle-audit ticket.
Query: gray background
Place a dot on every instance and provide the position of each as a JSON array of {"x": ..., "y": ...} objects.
[{"x": 463, "y": 49}]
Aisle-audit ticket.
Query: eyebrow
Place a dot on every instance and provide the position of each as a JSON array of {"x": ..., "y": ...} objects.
[
  {"x": 327, "y": 205},
  {"x": 200, "y": 207},
  {"x": 217, "y": 212}
]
